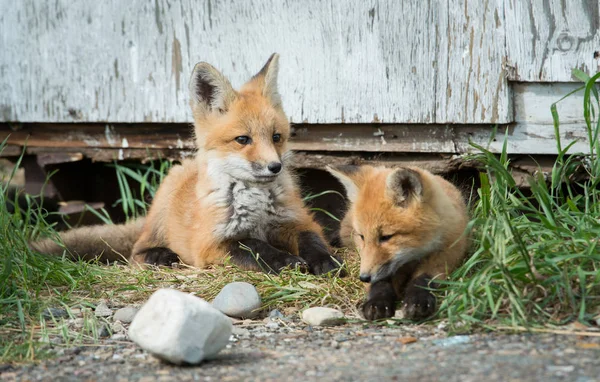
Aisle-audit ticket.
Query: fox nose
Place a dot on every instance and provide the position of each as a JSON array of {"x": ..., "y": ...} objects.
[
  {"x": 274, "y": 167},
  {"x": 365, "y": 278}
]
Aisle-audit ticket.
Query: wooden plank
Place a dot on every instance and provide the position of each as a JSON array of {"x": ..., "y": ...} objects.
[
  {"x": 549, "y": 38},
  {"x": 472, "y": 85},
  {"x": 353, "y": 61},
  {"x": 523, "y": 138}
]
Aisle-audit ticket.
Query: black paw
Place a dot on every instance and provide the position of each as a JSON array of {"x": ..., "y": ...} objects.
[
  {"x": 160, "y": 256},
  {"x": 377, "y": 309},
  {"x": 314, "y": 250},
  {"x": 419, "y": 303},
  {"x": 284, "y": 260},
  {"x": 325, "y": 264}
]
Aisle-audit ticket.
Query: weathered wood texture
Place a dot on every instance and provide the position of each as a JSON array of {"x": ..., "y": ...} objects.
[
  {"x": 531, "y": 133},
  {"x": 354, "y": 61},
  {"x": 546, "y": 39}
]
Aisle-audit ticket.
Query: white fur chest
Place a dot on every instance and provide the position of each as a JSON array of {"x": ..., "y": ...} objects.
[{"x": 252, "y": 211}]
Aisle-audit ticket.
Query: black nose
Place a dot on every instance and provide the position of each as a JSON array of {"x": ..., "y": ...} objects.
[
  {"x": 274, "y": 167},
  {"x": 365, "y": 278}
]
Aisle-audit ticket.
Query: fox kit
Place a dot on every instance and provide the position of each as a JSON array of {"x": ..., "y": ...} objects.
[
  {"x": 409, "y": 228},
  {"x": 236, "y": 195}
]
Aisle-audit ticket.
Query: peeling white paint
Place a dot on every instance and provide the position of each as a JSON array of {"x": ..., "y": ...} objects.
[{"x": 124, "y": 143}]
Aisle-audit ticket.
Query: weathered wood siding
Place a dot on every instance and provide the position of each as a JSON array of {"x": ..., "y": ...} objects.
[
  {"x": 353, "y": 61},
  {"x": 342, "y": 61},
  {"x": 548, "y": 38}
]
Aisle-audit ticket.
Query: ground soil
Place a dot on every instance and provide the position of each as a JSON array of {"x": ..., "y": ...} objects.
[{"x": 289, "y": 350}]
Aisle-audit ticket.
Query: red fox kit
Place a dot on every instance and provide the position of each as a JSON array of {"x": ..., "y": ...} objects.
[
  {"x": 409, "y": 228},
  {"x": 237, "y": 192}
]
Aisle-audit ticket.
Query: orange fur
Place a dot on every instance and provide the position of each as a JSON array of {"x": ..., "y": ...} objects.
[
  {"x": 404, "y": 222},
  {"x": 228, "y": 192}
]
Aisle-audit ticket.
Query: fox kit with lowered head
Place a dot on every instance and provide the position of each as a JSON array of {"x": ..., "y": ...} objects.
[
  {"x": 409, "y": 227},
  {"x": 235, "y": 197}
]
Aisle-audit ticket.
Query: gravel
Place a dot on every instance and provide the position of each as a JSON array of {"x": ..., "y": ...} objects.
[{"x": 349, "y": 352}]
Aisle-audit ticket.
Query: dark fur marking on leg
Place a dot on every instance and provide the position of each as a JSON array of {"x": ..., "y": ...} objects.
[
  {"x": 419, "y": 301},
  {"x": 314, "y": 250},
  {"x": 268, "y": 258},
  {"x": 159, "y": 256},
  {"x": 381, "y": 301}
]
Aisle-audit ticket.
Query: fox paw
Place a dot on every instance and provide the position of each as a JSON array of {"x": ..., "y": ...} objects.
[
  {"x": 284, "y": 260},
  {"x": 377, "y": 309},
  {"x": 326, "y": 264},
  {"x": 160, "y": 256},
  {"x": 419, "y": 303}
]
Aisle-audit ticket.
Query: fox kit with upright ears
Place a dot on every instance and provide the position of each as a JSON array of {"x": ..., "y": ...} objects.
[
  {"x": 409, "y": 227},
  {"x": 236, "y": 195}
]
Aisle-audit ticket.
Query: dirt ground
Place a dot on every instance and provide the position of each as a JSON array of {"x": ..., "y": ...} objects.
[{"x": 288, "y": 350}]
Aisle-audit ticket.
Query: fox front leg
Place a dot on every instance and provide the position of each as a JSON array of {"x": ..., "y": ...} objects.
[
  {"x": 381, "y": 300},
  {"x": 419, "y": 300},
  {"x": 312, "y": 248},
  {"x": 258, "y": 255}
]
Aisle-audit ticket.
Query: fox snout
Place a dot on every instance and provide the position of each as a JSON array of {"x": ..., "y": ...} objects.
[{"x": 267, "y": 171}]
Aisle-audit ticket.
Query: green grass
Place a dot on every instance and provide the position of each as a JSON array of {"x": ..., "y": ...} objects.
[
  {"x": 535, "y": 258},
  {"x": 536, "y": 254}
]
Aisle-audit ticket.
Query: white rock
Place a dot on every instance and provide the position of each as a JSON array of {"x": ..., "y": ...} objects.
[
  {"x": 102, "y": 310},
  {"x": 179, "y": 327},
  {"x": 321, "y": 316},
  {"x": 238, "y": 299},
  {"x": 125, "y": 314}
]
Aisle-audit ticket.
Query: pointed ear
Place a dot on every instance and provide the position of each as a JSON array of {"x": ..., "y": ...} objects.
[
  {"x": 209, "y": 90},
  {"x": 267, "y": 79},
  {"x": 403, "y": 186},
  {"x": 347, "y": 175}
]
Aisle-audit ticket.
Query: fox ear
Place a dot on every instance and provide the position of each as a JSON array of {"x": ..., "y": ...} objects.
[
  {"x": 347, "y": 176},
  {"x": 267, "y": 79},
  {"x": 404, "y": 185},
  {"x": 209, "y": 90}
]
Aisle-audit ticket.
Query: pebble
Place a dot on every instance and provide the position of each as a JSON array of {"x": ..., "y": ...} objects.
[
  {"x": 272, "y": 325},
  {"x": 125, "y": 314},
  {"x": 117, "y": 327},
  {"x": 238, "y": 299},
  {"x": 180, "y": 328},
  {"x": 451, "y": 341},
  {"x": 119, "y": 337},
  {"x": 50, "y": 313},
  {"x": 102, "y": 310},
  {"x": 321, "y": 316},
  {"x": 275, "y": 313},
  {"x": 103, "y": 331},
  {"x": 241, "y": 332}
]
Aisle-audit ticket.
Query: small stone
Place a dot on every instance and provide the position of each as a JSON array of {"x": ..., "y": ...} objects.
[
  {"x": 241, "y": 332},
  {"x": 103, "y": 331},
  {"x": 275, "y": 313},
  {"x": 102, "y": 310},
  {"x": 238, "y": 299},
  {"x": 117, "y": 327},
  {"x": 119, "y": 337},
  {"x": 335, "y": 344},
  {"x": 321, "y": 316},
  {"x": 180, "y": 328},
  {"x": 272, "y": 325},
  {"x": 597, "y": 318},
  {"x": 125, "y": 314},
  {"x": 50, "y": 313},
  {"x": 451, "y": 341}
]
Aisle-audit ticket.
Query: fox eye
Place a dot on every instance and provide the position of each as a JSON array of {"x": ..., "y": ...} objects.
[
  {"x": 384, "y": 238},
  {"x": 361, "y": 237},
  {"x": 243, "y": 140},
  {"x": 276, "y": 138}
]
